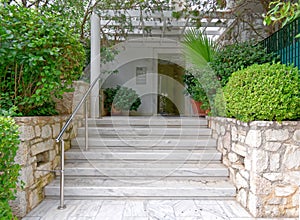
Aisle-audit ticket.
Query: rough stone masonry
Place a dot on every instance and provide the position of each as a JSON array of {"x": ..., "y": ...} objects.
[{"x": 264, "y": 162}]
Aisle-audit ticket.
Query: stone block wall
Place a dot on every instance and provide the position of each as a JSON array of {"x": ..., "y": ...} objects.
[
  {"x": 39, "y": 153},
  {"x": 264, "y": 163},
  {"x": 70, "y": 100}
]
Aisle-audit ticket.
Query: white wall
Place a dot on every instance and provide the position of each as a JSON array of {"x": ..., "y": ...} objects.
[{"x": 142, "y": 53}]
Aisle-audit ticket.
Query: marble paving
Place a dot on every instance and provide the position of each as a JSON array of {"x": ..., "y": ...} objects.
[{"x": 141, "y": 210}]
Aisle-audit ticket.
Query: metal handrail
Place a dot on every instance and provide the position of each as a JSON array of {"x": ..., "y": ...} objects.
[{"x": 60, "y": 135}]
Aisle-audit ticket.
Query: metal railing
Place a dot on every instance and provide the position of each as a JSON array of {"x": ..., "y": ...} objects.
[
  {"x": 285, "y": 44},
  {"x": 62, "y": 144}
]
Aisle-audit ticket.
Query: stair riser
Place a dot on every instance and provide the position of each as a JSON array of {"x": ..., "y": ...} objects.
[
  {"x": 126, "y": 148},
  {"x": 115, "y": 198},
  {"x": 147, "y": 143},
  {"x": 142, "y": 192},
  {"x": 147, "y": 172},
  {"x": 175, "y": 162},
  {"x": 143, "y": 179},
  {"x": 145, "y": 157},
  {"x": 148, "y": 133},
  {"x": 147, "y": 123}
]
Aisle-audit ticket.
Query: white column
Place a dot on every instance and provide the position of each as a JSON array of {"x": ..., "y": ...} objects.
[{"x": 95, "y": 64}]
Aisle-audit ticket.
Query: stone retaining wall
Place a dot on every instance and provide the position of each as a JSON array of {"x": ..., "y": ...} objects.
[
  {"x": 70, "y": 100},
  {"x": 37, "y": 151},
  {"x": 264, "y": 163}
]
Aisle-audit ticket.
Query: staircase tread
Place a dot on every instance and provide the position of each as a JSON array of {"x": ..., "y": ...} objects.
[
  {"x": 115, "y": 183},
  {"x": 149, "y": 138},
  {"x": 147, "y": 118},
  {"x": 145, "y": 157},
  {"x": 143, "y": 151},
  {"x": 122, "y": 128},
  {"x": 152, "y": 121},
  {"x": 100, "y": 165}
]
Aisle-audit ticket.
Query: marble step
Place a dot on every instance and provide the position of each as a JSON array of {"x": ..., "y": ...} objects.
[
  {"x": 136, "y": 148},
  {"x": 155, "y": 121},
  {"x": 101, "y": 188},
  {"x": 144, "y": 142},
  {"x": 146, "y": 132},
  {"x": 146, "y": 155},
  {"x": 143, "y": 179},
  {"x": 146, "y": 169}
]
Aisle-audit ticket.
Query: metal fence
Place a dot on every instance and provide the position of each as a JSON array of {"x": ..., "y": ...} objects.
[{"x": 284, "y": 43}]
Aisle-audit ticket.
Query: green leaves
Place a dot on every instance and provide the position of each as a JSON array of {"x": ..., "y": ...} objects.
[
  {"x": 40, "y": 56},
  {"x": 263, "y": 92},
  {"x": 122, "y": 98},
  {"x": 9, "y": 170},
  {"x": 282, "y": 12},
  {"x": 236, "y": 57},
  {"x": 201, "y": 85},
  {"x": 198, "y": 48}
]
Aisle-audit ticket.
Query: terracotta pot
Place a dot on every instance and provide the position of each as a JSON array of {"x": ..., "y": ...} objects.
[
  {"x": 115, "y": 112},
  {"x": 197, "y": 108}
]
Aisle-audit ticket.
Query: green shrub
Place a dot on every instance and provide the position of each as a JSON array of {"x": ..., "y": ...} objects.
[
  {"x": 40, "y": 56},
  {"x": 9, "y": 171},
  {"x": 220, "y": 104},
  {"x": 194, "y": 88},
  {"x": 236, "y": 57},
  {"x": 264, "y": 92},
  {"x": 109, "y": 95},
  {"x": 122, "y": 98}
]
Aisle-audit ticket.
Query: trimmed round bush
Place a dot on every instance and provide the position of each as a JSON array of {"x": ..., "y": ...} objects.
[{"x": 263, "y": 92}]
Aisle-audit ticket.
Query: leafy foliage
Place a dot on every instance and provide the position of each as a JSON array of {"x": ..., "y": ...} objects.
[
  {"x": 236, "y": 57},
  {"x": 9, "y": 170},
  {"x": 79, "y": 12},
  {"x": 219, "y": 104},
  {"x": 199, "y": 49},
  {"x": 40, "y": 56},
  {"x": 201, "y": 86},
  {"x": 196, "y": 9},
  {"x": 109, "y": 95},
  {"x": 122, "y": 98},
  {"x": 200, "y": 81},
  {"x": 284, "y": 12},
  {"x": 264, "y": 92}
]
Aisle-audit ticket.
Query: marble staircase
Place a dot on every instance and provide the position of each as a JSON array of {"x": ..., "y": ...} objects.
[{"x": 145, "y": 157}]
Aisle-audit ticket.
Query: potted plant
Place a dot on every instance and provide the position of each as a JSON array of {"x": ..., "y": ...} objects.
[
  {"x": 119, "y": 100},
  {"x": 199, "y": 79},
  {"x": 198, "y": 95}
]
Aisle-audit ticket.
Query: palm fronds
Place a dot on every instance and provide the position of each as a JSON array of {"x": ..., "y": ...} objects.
[{"x": 199, "y": 49}]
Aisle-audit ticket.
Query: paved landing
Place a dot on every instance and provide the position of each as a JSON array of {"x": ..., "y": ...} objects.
[{"x": 140, "y": 210}]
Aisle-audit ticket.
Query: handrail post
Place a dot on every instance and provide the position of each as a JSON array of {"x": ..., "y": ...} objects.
[
  {"x": 62, "y": 175},
  {"x": 60, "y": 135},
  {"x": 86, "y": 125}
]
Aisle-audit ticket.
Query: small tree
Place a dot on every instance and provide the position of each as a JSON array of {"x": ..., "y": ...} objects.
[{"x": 40, "y": 56}]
